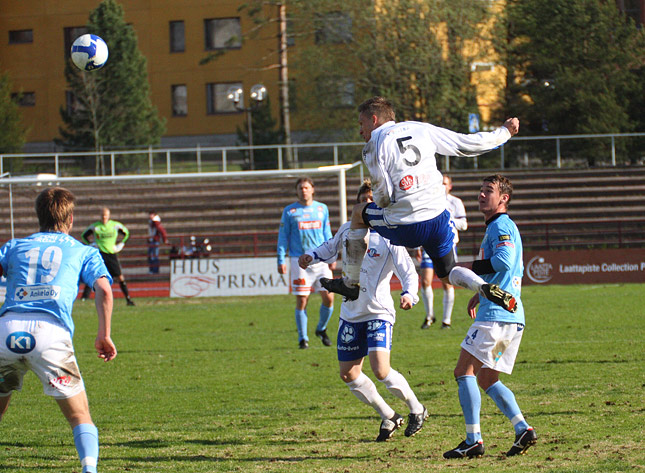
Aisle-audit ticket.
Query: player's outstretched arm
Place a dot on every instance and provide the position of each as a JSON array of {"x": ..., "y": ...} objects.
[{"x": 104, "y": 302}]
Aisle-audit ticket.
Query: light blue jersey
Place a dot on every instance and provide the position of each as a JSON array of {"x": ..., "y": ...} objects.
[
  {"x": 43, "y": 272},
  {"x": 502, "y": 244},
  {"x": 302, "y": 228}
]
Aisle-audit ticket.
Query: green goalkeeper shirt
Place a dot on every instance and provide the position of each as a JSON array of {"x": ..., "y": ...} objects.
[{"x": 106, "y": 235}]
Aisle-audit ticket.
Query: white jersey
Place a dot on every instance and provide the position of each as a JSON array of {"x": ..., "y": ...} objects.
[
  {"x": 457, "y": 214},
  {"x": 381, "y": 261},
  {"x": 401, "y": 161}
]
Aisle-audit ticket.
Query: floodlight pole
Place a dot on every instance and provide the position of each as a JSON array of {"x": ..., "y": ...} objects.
[{"x": 257, "y": 95}]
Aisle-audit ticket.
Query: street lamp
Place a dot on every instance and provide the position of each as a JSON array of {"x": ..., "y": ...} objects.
[{"x": 257, "y": 95}]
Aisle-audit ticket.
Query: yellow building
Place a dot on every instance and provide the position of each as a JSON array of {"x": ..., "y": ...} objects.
[{"x": 173, "y": 35}]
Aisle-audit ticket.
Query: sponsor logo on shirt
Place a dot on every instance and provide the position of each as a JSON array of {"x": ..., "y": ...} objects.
[
  {"x": 37, "y": 293},
  {"x": 310, "y": 225},
  {"x": 505, "y": 243},
  {"x": 406, "y": 183},
  {"x": 299, "y": 282},
  {"x": 504, "y": 237},
  {"x": 372, "y": 253}
]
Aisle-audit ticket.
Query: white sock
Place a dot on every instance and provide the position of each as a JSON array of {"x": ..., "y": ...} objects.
[
  {"x": 398, "y": 385},
  {"x": 365, "y": 390},
  {"x": 428, "y": 301},
  {"x": 464, "y": 277},
  {"x": 448, "y": 303},
  {"x": 355, "y": 248}
]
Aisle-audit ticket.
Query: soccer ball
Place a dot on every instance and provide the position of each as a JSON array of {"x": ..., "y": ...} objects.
[{"x": 89, "y": 52}]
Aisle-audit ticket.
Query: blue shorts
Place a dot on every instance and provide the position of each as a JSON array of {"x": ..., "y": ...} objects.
[
  {"x": 435, "y": 235},
  {"x": 356, "y": 339}
]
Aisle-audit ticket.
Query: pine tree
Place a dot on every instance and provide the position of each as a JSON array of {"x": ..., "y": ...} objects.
[
  {"x": 112, "y": 105},
  {"x": 12, "y": 132}
]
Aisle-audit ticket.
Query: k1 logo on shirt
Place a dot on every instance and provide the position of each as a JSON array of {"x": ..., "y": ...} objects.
[{"x": 21, "y": 342}]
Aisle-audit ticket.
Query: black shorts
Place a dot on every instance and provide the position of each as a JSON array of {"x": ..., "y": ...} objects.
[{"x": 112, "y": 263}]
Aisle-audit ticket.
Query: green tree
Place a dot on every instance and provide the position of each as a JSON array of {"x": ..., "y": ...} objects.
[
  {"x": 112, "y": 105},
  {"x": 575, "y": 67},
  {"x": 12, "y": 132},
  {"x": 415, "y": 52}
]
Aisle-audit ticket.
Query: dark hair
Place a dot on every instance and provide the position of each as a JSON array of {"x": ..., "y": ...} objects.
[
  {"x": 305, "y": 179},
  {"x": 366, "y": 186},
  {"x": 54, "y": 207},
  {"x": 378, "y": 106},
  {"x": 503, "y": 184}
]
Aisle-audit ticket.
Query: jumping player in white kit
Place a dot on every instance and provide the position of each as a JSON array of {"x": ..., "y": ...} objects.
[{"x": 409, "y": 207}]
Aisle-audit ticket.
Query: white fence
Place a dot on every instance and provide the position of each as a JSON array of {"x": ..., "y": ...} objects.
[{"x": 520, "y": 152}]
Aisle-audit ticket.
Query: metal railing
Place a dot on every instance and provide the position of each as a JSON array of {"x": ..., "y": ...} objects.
[{"x": 521, "y": 152}]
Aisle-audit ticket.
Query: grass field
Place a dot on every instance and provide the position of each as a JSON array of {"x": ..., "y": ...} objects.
[{"x": 209, "y": 385}]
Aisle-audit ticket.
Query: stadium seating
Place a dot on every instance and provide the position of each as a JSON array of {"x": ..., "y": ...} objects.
[{"x": 240, "y": 216}]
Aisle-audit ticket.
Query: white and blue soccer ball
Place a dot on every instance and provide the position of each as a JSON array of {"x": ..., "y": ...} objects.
[{"x": 89, "y": 52}]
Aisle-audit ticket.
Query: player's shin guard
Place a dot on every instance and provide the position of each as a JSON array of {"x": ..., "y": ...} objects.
[
  {"x": 365, "y": 390},
  {"x": 86, "y": 439},
  {"x": 124, "y": 289},
  {"x": 470, "y": 400},
  {"x": 448, "y": 303},
  {"x": 505, "y": 401},
  {"x": 464, "y": 277},
  {"x": 325, "y": 315},
  {"x": 428, "y": 301},
  {"x": 301, "y": 324},
  {"x": 355, "y": 248},
  {"x": 396, "y": 383}
]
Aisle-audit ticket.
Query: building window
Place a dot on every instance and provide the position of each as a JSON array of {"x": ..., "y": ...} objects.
[
  {"x": 21, "y": 36},
  {"x": 70, "y": 34},
  {"x": 177, "y": 37},
  {"x": 222, "y": 33},
  {"x": 24, "y": 99},
  {"x": 179, "y": 100},
  {"x": 217, "y": 100},
  {"x": 333, "y": 28},
  {"x": 338, "y": 92},
  {"x": 72, "y": 104}
]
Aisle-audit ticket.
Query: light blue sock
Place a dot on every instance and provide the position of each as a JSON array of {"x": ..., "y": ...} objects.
[
  {"x": 471, "y": 402},
  {"x": 301, "y": 323},
  {"x": 325, "y": 315},
  {"x": 505, "y": 401},
  {"x": 86, "y": 439}
]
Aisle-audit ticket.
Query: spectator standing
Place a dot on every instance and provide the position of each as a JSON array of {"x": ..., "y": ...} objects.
[
  {"x": 156, "y": 235},
  {"x": 304, "y": 226},
  {"x": 105, "y": 234},
  {"x": 43, "y": 272}
]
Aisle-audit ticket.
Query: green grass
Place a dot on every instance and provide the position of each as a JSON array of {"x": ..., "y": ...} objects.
[{"x": 210, "y": 385}]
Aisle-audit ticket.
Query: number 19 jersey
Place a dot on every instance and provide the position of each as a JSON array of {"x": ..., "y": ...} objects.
[{"x": 43, "y": 272}]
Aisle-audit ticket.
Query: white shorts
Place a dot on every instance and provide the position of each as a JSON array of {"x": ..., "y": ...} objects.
[
  {"x": 495, "y": 344},
  {"x": 36, "y": 342},
  {"x": 306, "y": 281}
]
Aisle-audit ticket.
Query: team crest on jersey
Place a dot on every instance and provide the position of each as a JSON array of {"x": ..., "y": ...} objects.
[
  {"x": 406, "y": 183},
  {"x": 373, "y": 253},
  {"x": 37, "y": 293}
]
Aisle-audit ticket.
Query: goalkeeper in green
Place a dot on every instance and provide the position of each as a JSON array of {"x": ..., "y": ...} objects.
[{"x": 104, "y": 235}]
